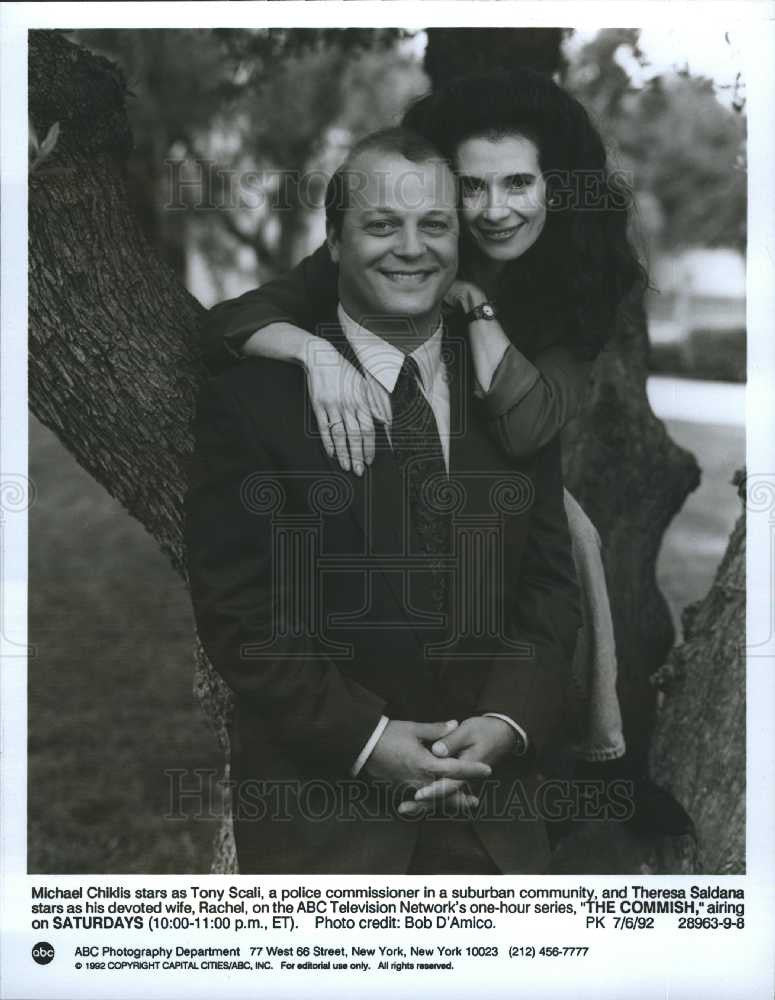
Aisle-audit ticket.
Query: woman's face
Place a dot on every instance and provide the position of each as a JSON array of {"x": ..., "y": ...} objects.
[{"x": 502, "y": 194}]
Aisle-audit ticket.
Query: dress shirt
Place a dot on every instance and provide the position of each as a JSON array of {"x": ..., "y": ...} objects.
[{"x": 382, "y": 362}]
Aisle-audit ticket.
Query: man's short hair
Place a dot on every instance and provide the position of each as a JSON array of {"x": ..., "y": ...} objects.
[{"x": 398, "y": 140}]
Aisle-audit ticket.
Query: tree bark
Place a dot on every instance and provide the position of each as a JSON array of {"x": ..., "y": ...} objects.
[
  {"x": 114, "y": 364},
  {"x": 699, "y": 742},
  {"x": 114, "y": 370}
]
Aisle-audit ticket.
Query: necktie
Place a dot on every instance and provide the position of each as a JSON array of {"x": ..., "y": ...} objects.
[{"x": 415, "y": 441}]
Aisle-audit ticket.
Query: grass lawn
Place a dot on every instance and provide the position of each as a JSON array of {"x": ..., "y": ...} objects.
[
  {"x": 110, "y": 697},
  {"x": 110, "y": 690}
]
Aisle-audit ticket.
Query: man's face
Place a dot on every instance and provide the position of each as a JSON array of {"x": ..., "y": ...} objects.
[{"x": 397, "y": 251}]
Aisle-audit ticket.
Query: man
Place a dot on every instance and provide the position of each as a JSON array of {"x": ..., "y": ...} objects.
[{"x": 399, "y": 643}]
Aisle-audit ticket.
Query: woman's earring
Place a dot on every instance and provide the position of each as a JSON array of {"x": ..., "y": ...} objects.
[{"x": 554, "y": 201}]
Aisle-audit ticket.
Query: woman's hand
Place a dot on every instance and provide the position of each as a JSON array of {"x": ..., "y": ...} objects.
[
  {"x": 343, "y": 407},
  {"x": 465, "y": 295}
]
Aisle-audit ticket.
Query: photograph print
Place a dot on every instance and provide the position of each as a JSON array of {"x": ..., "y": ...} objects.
[{"x": 388, "y": 451}]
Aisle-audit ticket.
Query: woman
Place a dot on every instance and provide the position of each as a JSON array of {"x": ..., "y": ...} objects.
[{"x": 545, "y": 267}]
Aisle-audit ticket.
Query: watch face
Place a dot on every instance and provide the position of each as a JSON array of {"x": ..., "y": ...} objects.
[{"x": 487, "y": 311}]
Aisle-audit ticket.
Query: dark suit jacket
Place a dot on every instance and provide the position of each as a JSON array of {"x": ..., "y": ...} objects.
[{"x": 307, "y": 607}]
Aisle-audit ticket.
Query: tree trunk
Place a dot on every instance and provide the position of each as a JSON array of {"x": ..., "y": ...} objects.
[
  {"x": 114, "y": 365},
  {"x": 699, "y": 742},
  {"x": 455, "y": 52},
  {"x": 114, "y": 370}
]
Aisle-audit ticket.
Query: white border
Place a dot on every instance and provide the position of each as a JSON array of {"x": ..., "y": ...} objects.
[
  {"x": 406, "y": 13},
  {"x": 721, "y": 970}
]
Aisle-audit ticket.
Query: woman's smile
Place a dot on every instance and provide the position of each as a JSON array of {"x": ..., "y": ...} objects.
[{"x": 501, "y": 234}]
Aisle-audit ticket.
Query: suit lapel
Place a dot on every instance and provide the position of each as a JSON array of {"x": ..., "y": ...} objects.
[
  {"x": 377, "y": 507},
  {"x": 491, "y": 485},
  {"x": 471, "y": 448}
]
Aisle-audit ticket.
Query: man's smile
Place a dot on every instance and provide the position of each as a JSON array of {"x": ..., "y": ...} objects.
[{"x": 406, "y": 276}]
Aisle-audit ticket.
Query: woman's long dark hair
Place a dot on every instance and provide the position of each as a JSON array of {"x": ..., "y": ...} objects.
[{"x": 582, "y": 267}]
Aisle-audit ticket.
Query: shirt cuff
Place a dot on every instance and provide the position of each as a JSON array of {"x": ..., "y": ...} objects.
[
  {"x": 521, "y": 747},
  {"x": 364, "y": 755}
]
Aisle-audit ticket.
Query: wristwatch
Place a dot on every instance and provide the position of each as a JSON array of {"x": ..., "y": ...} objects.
[{"x": 485, "y": 310}]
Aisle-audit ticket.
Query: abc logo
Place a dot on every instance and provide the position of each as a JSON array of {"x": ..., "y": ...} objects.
[{"x": 42, "y": 952}]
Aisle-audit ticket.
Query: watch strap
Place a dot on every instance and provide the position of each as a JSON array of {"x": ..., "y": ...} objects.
[{"x": 485, "y": 310}]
